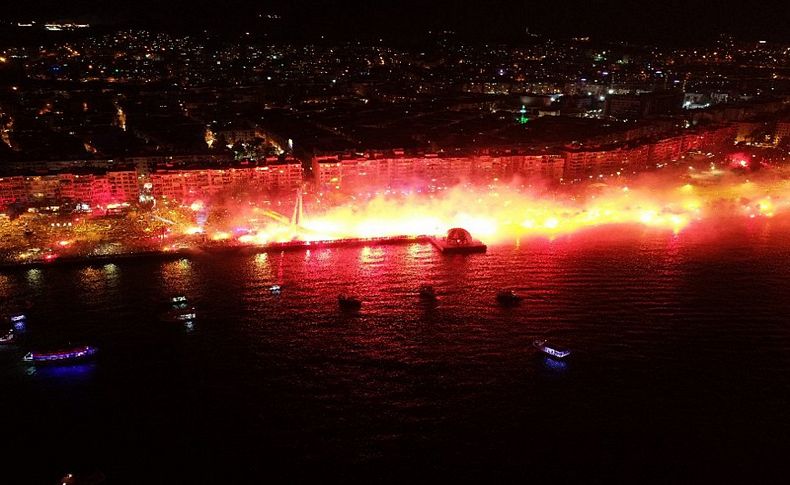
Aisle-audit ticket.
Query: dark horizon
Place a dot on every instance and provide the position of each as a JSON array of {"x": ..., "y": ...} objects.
[{"x": 670, "y": 23}]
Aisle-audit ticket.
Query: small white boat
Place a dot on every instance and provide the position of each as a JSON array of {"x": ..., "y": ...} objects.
[
  {"x": 555, "y": 352},
  {"x": 181, "y": 314}
]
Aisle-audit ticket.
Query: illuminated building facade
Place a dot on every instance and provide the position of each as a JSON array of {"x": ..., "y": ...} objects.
[
  {"x": 398, "y": 169},
  {"x": 192, "y": 184},
  {"x": 88, "y": 189},
  {"x": 367, "y": 170},
  {"x": 124, "y": 186},
  {"x": 782, "y": 132}
]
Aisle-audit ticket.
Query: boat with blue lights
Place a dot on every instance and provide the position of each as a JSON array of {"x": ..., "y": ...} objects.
[
  {"x": 551, "y": 351},
  {"x": 18, "y": 321},
  {"x": 73, "y": 354}
]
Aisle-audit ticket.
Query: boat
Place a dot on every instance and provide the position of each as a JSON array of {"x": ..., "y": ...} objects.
[
  {"x": 427, "y": 292},
  {"x": 348, "y": 302},
  {"x": 72, "y": 354},
  {"x": 180, "y": 310},
  {"x": 276, "y": 289},
  {"x": 555, "y": 352},
  {"x": 19, "y": 321},
  {"x": 508, "y": 298},
  {"x": 186, "y": 317},
  {"x": 8, "y": 338},
  {"x": 95, "y": 478},
  {"x": 181, "y": 314},
  {"x": 180, "y": 306}
]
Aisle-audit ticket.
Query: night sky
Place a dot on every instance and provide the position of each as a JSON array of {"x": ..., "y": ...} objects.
[{"x": 663, "y": 21}]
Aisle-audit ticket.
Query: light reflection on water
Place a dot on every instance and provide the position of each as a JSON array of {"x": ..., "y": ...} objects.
[
  {"x": 34, "y": 277},
  {"x": 6, "y": 286},
  {"x": 64, "y": 373},
  {"x": 554, "y": 365},
  {"x": 262, "y": 266},
  {"x": 177, "y": 276},
  {"x": 92, "y": 279}
]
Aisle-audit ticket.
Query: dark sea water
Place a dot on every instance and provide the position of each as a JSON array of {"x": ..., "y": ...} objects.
[{"x": 681, "y": 370}]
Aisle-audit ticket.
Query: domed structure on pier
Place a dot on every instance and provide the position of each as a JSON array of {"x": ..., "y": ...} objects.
[
  {"x": 459, "y": 236},
  {"x": 459, "y": 241}
]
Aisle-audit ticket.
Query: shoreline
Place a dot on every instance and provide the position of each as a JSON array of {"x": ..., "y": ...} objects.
[{"x": 217, "y": 249}]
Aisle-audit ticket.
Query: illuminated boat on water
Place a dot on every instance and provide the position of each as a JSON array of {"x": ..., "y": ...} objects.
[
  {"x": 187, "y": 316},
  {"x": 348, "y": 302},
  {"x": 8, "y": 338},
  {"x": 555, "y": 352},
  {"x": 74, "y": 354},
  {"x": 180, "y": 311},
  {"x": 181, "y": 314},
  {"x": 276, "y": 289},
  {"x": 508, "y": 298},
  {"x": 19, "y": 321}
]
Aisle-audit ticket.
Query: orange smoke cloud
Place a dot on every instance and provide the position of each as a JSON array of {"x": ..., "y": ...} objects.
[{"x": 501, "y": 214}]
